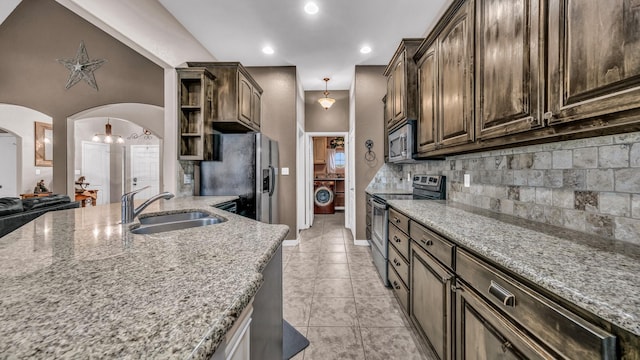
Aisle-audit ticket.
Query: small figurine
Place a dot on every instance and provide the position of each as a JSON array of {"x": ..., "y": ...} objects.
[{"x": 40, "y": 187}]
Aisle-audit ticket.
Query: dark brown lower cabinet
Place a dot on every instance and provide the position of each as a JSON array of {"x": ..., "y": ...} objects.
[
  {"x": 431, "y": 300},
  {"x": 483, "y": 334}
]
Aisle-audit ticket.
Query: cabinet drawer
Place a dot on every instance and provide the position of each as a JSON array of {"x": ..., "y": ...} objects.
[
  {"x": 401, "y": 291},
  {"x": 563, "y": 331},
  {"x": 399, "y": 240},
  {"x": 440, "y": 248},
  {"x": 399, "y": 264},
  {"x": 399, "y": 220}
]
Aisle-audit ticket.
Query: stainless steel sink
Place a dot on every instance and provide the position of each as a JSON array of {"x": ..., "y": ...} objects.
[
  {"x": 165, "y": 218},
  {"x": 177, "y": 225}
]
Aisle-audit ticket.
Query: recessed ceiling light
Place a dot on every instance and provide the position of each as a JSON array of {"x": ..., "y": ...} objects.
[
  {"x": 311, "y": 8},
  {"x": 365, "y": 49},
  {"x": 267, "y": 50}
]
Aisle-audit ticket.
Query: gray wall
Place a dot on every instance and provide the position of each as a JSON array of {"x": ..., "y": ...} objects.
[
  {"x": 370, "y": 88},
  {"x": 40, "y": 31},
  {"x": 279, "y": 123},
  {"x": 334, "y": 119}
]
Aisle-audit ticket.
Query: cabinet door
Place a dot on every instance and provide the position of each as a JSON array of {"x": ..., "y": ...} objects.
[
  {"x": 594, "y": 58},
  {"x": 244, "y": 99},
  {"x": 431, "y": 300},
  {"x": 256, "y": 108},
  {"x": 507, "y": 67},
  {"x": 399, "y": 89},
  {"x": 484, "y": 334},
  {"x": 319, "y": 150},
  {"x": 389, "y": 110},
  {"x": 427, "y": 88},
  {"x": 455, "y": 79}
]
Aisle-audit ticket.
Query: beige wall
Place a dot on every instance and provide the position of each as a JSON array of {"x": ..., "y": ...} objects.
[
  {"x": 279, "y": 123},
  {"x": 334, "y": 119},
  {"x": 370, "y": 87},
  {"x": 40, "y": 31}
]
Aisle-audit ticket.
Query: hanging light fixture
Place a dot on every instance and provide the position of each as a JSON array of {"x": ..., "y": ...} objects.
[
  {"x": 326, "y": 101},
  {"x": 107, "y": 137}
]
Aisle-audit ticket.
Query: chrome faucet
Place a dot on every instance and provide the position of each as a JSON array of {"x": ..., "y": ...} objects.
[{"x": 129, "y": 212}]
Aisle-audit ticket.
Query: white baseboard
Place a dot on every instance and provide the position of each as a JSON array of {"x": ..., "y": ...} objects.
[
  {"x": 360, "y": 242},
  {"x": 291, "y": 242}
]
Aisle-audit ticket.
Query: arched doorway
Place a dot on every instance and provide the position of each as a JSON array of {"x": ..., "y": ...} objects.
[
  {"x": 118, "y": 167},
  {"x": 18, "y": 124}
]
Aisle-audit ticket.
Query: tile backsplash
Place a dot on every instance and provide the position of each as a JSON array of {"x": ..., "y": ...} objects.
[{"x": 590, "y": 185}]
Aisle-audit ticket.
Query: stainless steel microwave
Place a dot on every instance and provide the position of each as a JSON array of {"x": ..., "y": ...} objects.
[{"x": 402, "y": 143}]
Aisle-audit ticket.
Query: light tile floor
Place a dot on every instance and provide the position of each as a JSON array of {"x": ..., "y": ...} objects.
[{"x": 334, "y": 296}]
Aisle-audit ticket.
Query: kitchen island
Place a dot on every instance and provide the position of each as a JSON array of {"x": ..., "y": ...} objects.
[
  {"x": 594, "y": 277},
  {"x": 77, "y": 284}
]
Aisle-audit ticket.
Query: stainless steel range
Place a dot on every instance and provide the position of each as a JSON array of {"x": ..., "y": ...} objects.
[{"x": 425, "y": 187}]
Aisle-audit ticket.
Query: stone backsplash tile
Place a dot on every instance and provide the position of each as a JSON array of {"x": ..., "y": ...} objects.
[
  {"x": 599, "y": 224},
  {"x": 586, "y": 158},
  {"x": 586, "y": 201},
  {"x": 627, "y": 180},
  {"x": 600, "y": 180},
  {"x": 562, "y": 159},
  {"x": 590, "y": 184},
  {"x": 574, "y": 179},
  {"x": 613, "y": 156},
  {"x": 617, "y": 204}
]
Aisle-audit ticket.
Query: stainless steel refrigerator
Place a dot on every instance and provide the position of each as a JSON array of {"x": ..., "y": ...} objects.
[{"x": 245, "y": 165}]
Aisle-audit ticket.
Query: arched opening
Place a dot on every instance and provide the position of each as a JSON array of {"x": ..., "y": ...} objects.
[
  {"x": 18, "y": 132},
  {"x": 110, "y": 169}
]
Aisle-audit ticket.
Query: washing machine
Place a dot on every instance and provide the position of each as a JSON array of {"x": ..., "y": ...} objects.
[{"x": 323, "y": 197}]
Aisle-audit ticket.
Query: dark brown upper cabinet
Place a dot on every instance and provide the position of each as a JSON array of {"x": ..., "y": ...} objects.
[
  {"x": 508, "y": 76},
  {"x": 445, "y": 73},
  {"x": 402, "y": 84},
  {"x": 237, "y": 97},
  {"x": 428, "y": 89},
  {"x": 593, "y": 62},
  {"x": 455, "y": 80}
]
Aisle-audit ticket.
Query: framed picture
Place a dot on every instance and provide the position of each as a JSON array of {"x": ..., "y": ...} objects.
[{"x": 43, "y": 144}]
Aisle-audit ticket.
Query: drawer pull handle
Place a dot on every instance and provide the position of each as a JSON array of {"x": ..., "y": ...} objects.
[
  {"x": 426, "y": 242},
  {"x": 396, "y": 262},
  {"x": 397, "y": 239},
  {"x": 502, "y": 294},
  {"x": 396, "y": 220},
  {"x": 395, "y": 285}
]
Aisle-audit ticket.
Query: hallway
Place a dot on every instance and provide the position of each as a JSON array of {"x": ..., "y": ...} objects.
[{"x": 333, "y": 295}]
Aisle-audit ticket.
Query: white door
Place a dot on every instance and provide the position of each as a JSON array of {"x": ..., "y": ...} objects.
[
  {"x": 145, "y": 170},
  {"x": 8, "y": 177},
  {"x": 96, "y": 160}
]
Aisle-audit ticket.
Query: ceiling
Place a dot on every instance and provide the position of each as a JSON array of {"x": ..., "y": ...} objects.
[{"x": 326, "y": 44}]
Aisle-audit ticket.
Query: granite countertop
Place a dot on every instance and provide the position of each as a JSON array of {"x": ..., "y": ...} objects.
[
  {"x": 596, "y": 274},
  {"x": 76, "y": 283}
]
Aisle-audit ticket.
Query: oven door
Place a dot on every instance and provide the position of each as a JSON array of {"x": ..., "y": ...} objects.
[{"x": 379, "y": 219}]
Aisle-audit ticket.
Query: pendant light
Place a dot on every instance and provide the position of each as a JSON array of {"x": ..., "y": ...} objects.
[
  {"x": 326, "y": 101},
  {"x": 107, "y": 137}
]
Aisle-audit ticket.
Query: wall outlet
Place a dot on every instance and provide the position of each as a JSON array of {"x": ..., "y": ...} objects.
[
  {"x": 188, "y": 179},
  {"x": 37, "y": 171},
  {"x": 467, "y": 180},
  {"x": 284, "y": 171},
  {"x": 77, "y": 172}
]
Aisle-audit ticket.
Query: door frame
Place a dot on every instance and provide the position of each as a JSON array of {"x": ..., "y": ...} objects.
[
  {"x": 309, "y": 171},
  {"x": 18, "y": 159}
]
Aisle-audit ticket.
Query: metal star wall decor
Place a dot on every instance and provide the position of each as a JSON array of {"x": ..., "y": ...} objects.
[{"x": 81, "y": 68}]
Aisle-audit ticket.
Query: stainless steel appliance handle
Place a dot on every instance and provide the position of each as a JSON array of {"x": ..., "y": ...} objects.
[
  {"x": 272, "y": 185},
  {"x": 379, "y": 205},
  {"x": 502, "y": 294}
]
